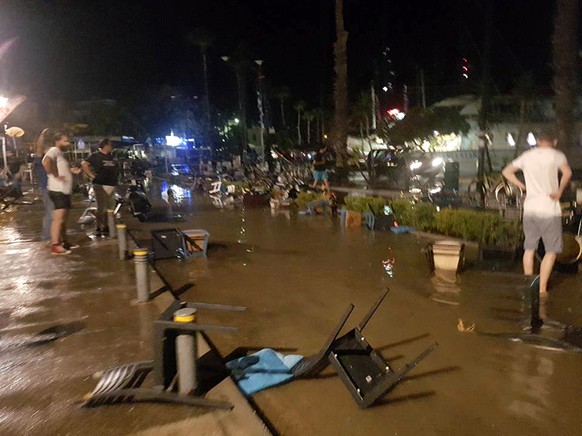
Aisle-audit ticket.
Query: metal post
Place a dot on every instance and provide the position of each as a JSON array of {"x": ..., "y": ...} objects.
[
  {"x": 4, "y": 151},
  {"x": 111, "y": 222},
  {"x": 122, "y": 240},
  {"x": 186, "y": 353},
  {"x": 142, "y": 274}
]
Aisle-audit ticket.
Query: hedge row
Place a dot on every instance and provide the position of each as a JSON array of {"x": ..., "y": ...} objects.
[{"x": 484, "y": 227}]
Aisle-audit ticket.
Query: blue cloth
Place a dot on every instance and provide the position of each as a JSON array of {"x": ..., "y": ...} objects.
[
  {"x": 320, "y": 176},
  {"x": 402, "y": 229},
  {"x": 40, "y": 172},
  {"x": 262, "y": 370}
]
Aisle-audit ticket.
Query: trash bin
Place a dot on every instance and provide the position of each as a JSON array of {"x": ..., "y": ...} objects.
[{"x": 452, "y": 174}]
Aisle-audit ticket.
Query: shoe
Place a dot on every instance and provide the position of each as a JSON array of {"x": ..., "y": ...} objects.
[
  {"x": 69, "y": 246},
  {"x": 58, "y": 249}
]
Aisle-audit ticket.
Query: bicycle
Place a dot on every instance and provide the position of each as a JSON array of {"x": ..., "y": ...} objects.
[{"x": 496, "y": 186}]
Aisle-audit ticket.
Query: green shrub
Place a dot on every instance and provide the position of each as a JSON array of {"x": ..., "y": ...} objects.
[
  {"x": 418, "y": 215},
  {"x": 304, "y": 198},
  {"x": 486, "y": 228},
  {"x": 366, "y": 204}
]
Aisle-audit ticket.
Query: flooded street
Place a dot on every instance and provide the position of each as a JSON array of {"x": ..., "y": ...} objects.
[{"x": 296, "y": 275}]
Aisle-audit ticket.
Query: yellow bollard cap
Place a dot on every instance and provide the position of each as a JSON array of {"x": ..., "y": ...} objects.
[
  {"x": 140, "y": 251},
  {"x": 110, "y": 211},
  {"x": 185, "y": 315},
  {"x": 120, "y": 226}
]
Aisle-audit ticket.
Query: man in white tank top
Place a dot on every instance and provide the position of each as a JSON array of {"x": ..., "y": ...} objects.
[{"x": 542, "y": 215}]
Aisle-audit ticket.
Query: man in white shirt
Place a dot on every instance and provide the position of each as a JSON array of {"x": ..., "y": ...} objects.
[
  {"x": 542, "y": 215},
  {"x": 60, "y": 188}
]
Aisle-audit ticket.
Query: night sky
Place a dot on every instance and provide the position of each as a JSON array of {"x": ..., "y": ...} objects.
[{"x": 76, "y": 49}]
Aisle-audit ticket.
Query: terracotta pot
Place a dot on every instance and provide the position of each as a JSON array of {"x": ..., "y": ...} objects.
[{"x": 353, "y": 219}]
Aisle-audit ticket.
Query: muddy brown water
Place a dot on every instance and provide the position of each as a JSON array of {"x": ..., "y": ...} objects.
[{"x": 297, "y": 274}]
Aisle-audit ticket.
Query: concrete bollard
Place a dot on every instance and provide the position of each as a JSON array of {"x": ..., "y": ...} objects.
[
  {"x": 186, "y": 353},
  {"x": 142, "y": 274},
  {"x": 111, "y": 222},
  {"x": 122, "y": 240}
]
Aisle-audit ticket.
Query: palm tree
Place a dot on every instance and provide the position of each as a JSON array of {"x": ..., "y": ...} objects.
[
  {"x": 340, "y": 89},
  {"x": 299, "y": 106},
  {"x": 203, "y": 40},
  {"x": 309, "y": 116},
  {"x": 564, "y": 63},
  {"x": 319, "y": 119},
  {"x": 282, "y": 94}
]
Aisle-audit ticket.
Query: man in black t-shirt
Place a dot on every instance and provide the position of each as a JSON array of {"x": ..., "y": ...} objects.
[
  {"x": 102, "y": 170},
  {"x": 320, "y": 168}
]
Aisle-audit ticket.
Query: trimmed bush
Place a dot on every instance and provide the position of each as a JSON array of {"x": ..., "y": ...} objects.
[
  {"x": 486, "y": 228},
  {"x": 366, "y": 204},
  {"x": 418, "y": 215}
]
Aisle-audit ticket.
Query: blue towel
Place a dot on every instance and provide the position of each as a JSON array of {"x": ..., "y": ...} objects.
[
  {"x": 402, "y": 229},
  {"x": 262, "y": 370}
]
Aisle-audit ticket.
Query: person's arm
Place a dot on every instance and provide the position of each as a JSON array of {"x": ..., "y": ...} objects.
[
  {"x": 51, "y": 168},
  {"x": 509, "y": 173},
  {"x": 87, "y": 169},
  {"x": 566, "y": 176}
]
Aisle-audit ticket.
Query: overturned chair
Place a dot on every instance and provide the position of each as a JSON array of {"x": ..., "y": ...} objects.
[
  {"x": 362, "y": 370},
  {"x": 180, "y": 375}
]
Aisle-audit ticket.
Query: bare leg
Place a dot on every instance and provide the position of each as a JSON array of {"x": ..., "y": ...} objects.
[
  {"x": 528, "y": 262},
  {"x": 64, "y": 226},
  {"x": 59, "y": 216},
  {"x": 325, "y": 185},
  {"x": 545, "y": 272}
]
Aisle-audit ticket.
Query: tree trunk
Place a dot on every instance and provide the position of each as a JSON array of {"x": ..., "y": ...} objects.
[
  {"x": 565, "y": 50},
  {"x": 309, "y": 131},
  {"x": 242, "y": 107},
  {"x": 299, "y": 139},
  {"x": 283, "y": 113},
  {"x": 340, "y": 90}
]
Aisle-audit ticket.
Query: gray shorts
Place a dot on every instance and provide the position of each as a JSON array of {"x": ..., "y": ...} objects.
[{"x": 549, "y": 229}]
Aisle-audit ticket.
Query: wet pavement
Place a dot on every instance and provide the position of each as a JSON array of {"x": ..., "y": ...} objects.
[{"x": 296, "y": 274}]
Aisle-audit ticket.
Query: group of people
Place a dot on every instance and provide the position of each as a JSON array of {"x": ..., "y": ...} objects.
[
  {"x": 541, "y": 167},
  {"x": 56, "y": 186}
]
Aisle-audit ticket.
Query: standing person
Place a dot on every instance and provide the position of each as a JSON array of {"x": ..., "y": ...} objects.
[
  {"x": 542, "y": 214},
  {"x": 102, "y": 170},
  {"x": 320, "y": 168},
  {"x": 60, "y": 188},
  {"x": 41, "y": 148}
]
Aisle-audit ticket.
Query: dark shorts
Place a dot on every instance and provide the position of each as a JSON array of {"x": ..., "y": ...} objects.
[
  {"x": 549, "y": 229},
  {"x": 60, "y": 200}
]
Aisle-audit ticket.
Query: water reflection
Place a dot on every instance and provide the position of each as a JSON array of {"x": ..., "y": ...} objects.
[
  {"x": 447, "y": 289},
  {"x": 531, "y": 374}
]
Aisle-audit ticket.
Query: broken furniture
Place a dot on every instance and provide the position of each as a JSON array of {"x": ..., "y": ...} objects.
[
  {"x": 362, "y": 370},
  {"x": 124, "y": 383},
  {"x": 175, "y": 243}
]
